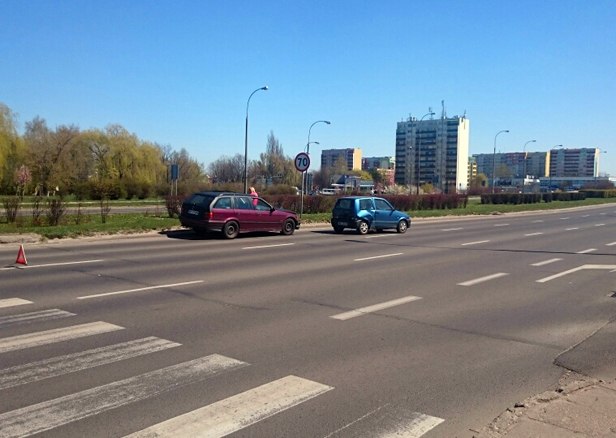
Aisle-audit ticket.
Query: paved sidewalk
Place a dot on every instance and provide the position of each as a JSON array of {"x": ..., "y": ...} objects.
[{"x": 579, "y": 407}]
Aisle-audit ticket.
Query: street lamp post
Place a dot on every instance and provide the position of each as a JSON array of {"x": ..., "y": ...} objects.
[
  {"x": 419, "y": 150},
  {"x": 524, "y": 175},
  {"x": 597, "y": 165},
  {"x": 550, "y": 166},
  {"x": 494, "y": 160},
  {"x": 301, "y": 211},
  {"x": 246, "y": 141}
]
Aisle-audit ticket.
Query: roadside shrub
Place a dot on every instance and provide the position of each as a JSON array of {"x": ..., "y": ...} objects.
[
  {"x": 11, "y": 206},
  {"x": 173, "y": 204},
  {"x": 56, "y": 207},
  {"x": 37, "y": 210}
]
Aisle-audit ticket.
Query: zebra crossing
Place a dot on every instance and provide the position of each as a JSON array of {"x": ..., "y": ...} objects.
[{"x": 214, "y": 420}]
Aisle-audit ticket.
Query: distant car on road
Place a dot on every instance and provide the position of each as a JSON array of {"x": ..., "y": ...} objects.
[
  {"x": 234, "y": 213},
  {"x": 328, "y": 192},
  {"x": 363, "y": 213}
]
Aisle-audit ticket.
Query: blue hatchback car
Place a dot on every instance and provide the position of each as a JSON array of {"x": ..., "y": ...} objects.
[{"x": 363, "y": 213}]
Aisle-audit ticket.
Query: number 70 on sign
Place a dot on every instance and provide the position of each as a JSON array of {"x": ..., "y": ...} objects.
[{"x": 302, "y": 162}]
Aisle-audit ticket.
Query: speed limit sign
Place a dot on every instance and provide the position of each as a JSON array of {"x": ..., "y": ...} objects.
[{"x": 302, "y": 162}]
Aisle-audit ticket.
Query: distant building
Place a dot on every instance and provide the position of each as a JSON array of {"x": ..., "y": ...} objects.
[
  {"x": 582, "y": 162},
  {"x": 370, "y": 163},
  {"x": 351, "y": 156},
  {"x": 433, "y": 151},
  {"x": 513, "y": 165},
  {"x": 472, "y": 170}
]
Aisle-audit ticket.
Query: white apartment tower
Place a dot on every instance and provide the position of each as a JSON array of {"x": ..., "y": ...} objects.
[{"x": 433, "y": 151}]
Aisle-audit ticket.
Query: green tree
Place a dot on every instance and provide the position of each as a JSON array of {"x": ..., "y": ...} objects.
[{"x": 13, "y": 151}]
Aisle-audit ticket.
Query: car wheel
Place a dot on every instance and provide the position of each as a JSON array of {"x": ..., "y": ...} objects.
[
  {"x": 363, "y": 227},
  {"x": 231, "y": 230},
  {"x": 338, "y": 230},
  {"x": 288, "y": 227},
  {"x": 402, "y": 226}
]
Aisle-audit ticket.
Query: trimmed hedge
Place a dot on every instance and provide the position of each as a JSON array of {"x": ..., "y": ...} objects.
[
  {"x": 599, "y": 193},
  {"x": 325, "y": 204},
  {"x": 531, "y": 198}
]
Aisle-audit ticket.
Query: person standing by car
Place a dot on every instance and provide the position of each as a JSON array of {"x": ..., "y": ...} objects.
[{"x": 254, "y": 193}]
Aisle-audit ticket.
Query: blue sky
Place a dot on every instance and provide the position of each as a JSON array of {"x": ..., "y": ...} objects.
[{"x": 180, "y": 72}]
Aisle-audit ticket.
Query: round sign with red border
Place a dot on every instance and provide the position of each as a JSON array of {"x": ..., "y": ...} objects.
[{"x": 302, "y": 162}]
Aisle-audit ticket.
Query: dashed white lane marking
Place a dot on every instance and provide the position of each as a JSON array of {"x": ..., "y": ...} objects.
[
  {"x": 571, "y": 229},
  {"x": 10, "y": 302},
  {"x": 452, "y": 229},
  {"x": 579, "y": 268},
  {"x": 268, "y": 246},
  {"x": 610, "y": 244},
  {"x": 139, "y": 290},
  {"x": 237, "y": 412},
  {"x": 546, "y": 262},
  {"x": 374, "y": 308},
  {"x": 599, "y": 225},
  {"x": 24, "y": 318},
  {"x": 475, "y": 243},
  {"x": 379, "y": 257},
  {"x": 564, "y": 218},
  {"x": 54, "y": 413},
  {"x": 482, "y": 279},
  {"x": 587, "y": 251},
  {"x": 586, "y": 215},
  {"x": 501, "y": 225},
  {"x": 602, "y": 213},
  {"x": 55, "y": 335},
  {"x": 71, "y": 363},
  {"x": 533, "y": 234},
  {"x": 389, "y": 421},
  {"x": 536, "y": 222}
]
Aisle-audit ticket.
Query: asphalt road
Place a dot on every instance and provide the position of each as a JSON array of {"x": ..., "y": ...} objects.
[{"x": 428, "y": 334}]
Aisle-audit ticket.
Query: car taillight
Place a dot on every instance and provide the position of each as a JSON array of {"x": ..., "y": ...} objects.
[{"x": 209, "y": 215}]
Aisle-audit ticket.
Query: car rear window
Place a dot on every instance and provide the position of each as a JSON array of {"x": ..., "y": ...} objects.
[
  {"x": 200, "y": 200},
  {"x": 344, "y": 204}
]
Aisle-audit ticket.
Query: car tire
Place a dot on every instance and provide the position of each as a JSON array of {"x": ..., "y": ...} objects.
[
  {"x": 288, "y": 227},
  {"x": 231, "y": 230},
  {"x": 402, "y": 227},
  {"x": 363, "y": 227},
  {"x": 338, "y": 230}
]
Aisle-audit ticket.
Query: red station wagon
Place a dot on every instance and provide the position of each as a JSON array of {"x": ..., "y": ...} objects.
[{"x": 234, "y": 213}]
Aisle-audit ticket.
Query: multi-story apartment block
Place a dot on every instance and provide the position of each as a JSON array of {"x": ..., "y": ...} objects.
[
  {"x": 433, "y": 151},
  {"x": 513, "y": 164},
  {"x": 472, "y": 170},
  {"x": 369, "y": 163},
  {"x": 581, "y": 162},
  {"x": 350, "y": 155}
]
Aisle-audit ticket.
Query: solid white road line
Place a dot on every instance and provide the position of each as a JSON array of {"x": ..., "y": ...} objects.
[
  {"x": 56, "y": 335},
  {"x": 501, "y": 225},
  {"x": 474, "y": 243},
  {"x": 610, "y": 244},
  {"x": 374, "y": 308},
  {"x": 268, "y": 246},
  {"x": 452, "y": 229},
  {"x": 571, "y": 229},
  {"x": 533, "y": 234},
  {"x": 237, "y": 412},
  {"x": 482, "y": 279},
  {"x": 10, "y": 302},
  {"x": 587, "y": 251},
  {"x": 71, "y": 363},
  {"x": 43, "y": 315},
  {"x": 546, "y": 262},
  {"x": 579, "y": 268},
  {"x": 54, "y": 413},
  {"x": 60, "y": 264},
  {"x": 599, "y": 225},
  {"x": 389, "y": 421},
  {"x": 378, "y": 257},
  {"x": 139, "y": 290}
]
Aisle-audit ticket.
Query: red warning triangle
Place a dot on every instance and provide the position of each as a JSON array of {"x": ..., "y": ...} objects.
[{"x": 21, "y": 256}]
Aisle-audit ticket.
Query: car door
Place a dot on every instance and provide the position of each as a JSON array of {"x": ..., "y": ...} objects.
[
  {"x": 385, "y": 216},
  {"x": 246, "y": 213},
  {"x": 269, "y": 218},
  {"x": 366, "y": 210}
]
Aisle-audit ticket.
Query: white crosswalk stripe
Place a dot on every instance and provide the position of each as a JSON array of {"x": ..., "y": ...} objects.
[
  {"x": 25, "y": 318},
  {"x": 235, "y": 413},
  {"x": 10, "y": 302},
  {"x": 56, "y": 335},
  {"x": 57, "y": 366},
  {"x": 54, "y": 413}
]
